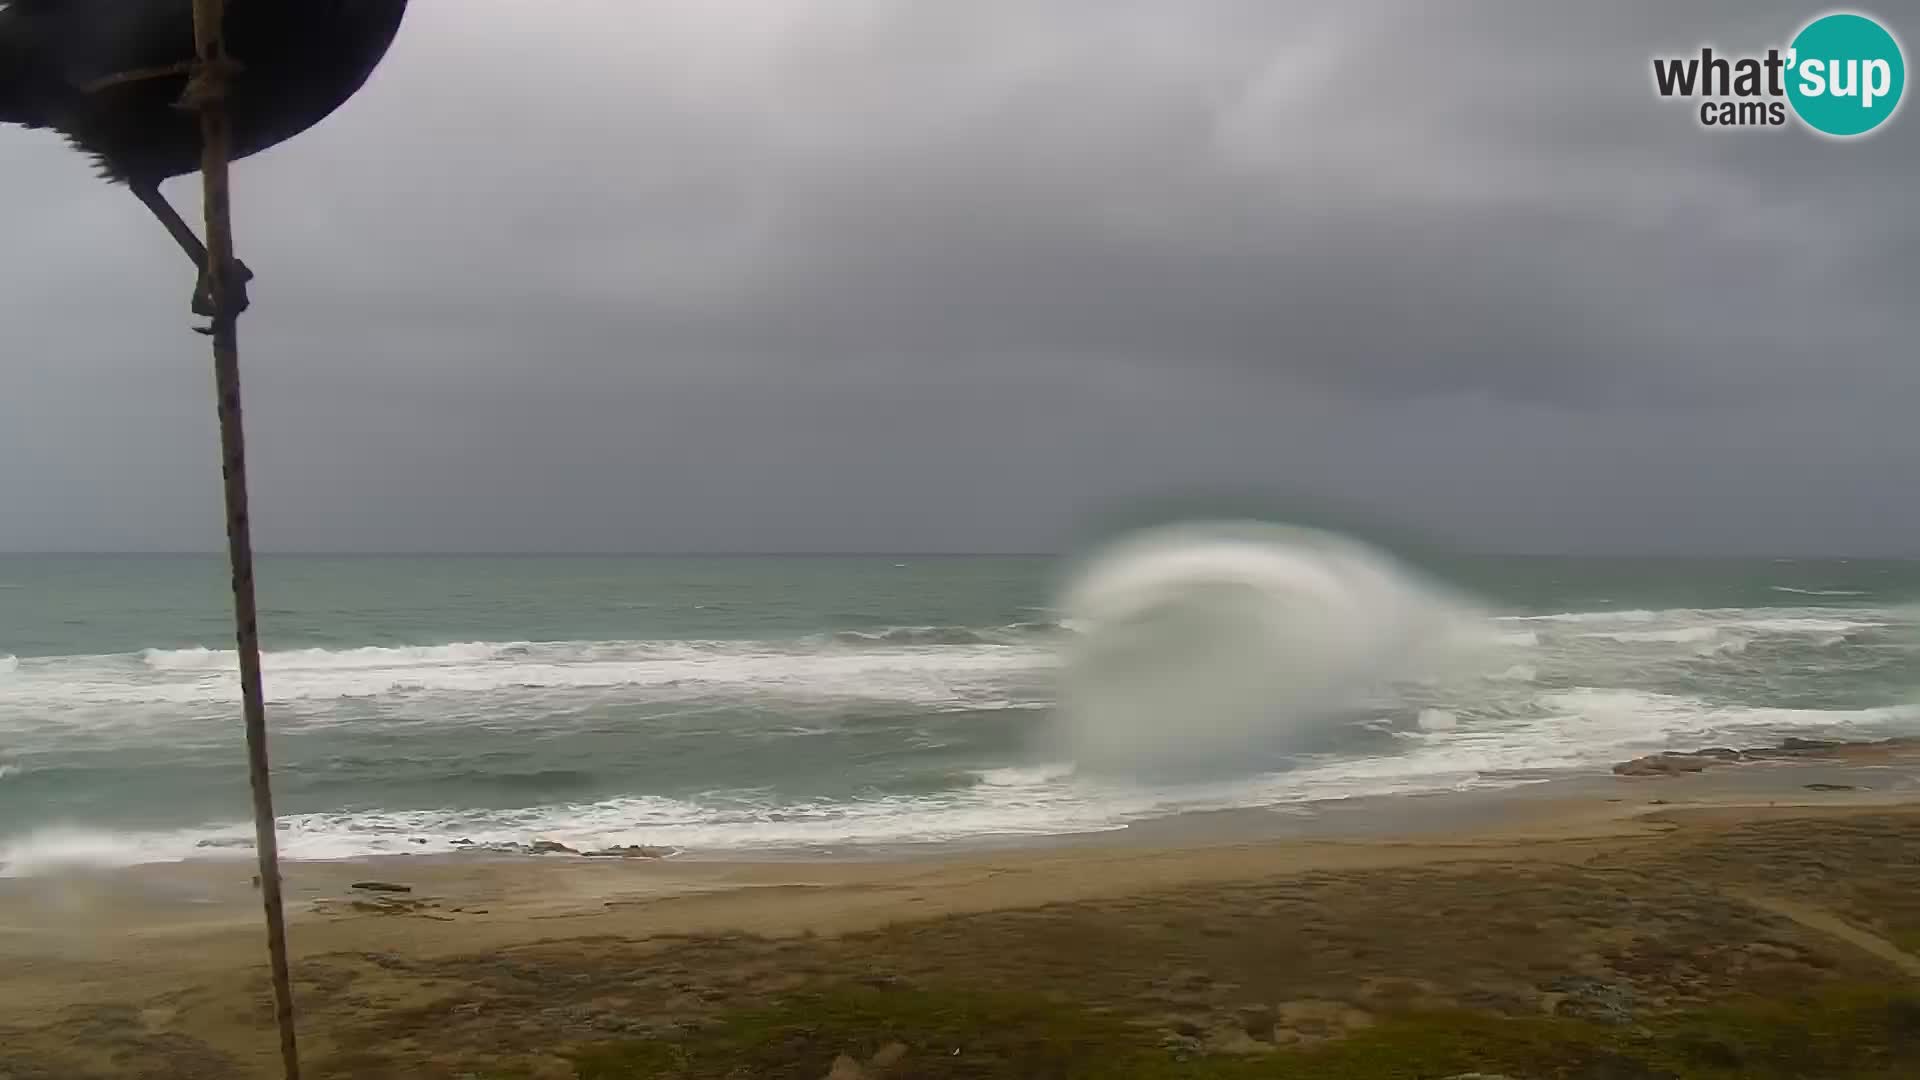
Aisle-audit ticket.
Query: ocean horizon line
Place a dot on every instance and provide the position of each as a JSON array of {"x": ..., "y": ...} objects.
[{"x": 883, "y": 554}]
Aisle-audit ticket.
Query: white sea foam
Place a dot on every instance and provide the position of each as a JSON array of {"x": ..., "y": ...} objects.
[
  {"x": 1587, "y": 729},
  {"x": 371, "y": 657},
  {"x": 1713, "y": 631},
  {"x": 1818, "y": 592},
  {"x": 1034, "y": 802},
  {"x": 1684, "y": 722},
  {"x": 1788, "y": 625},
  {"x": 880, "y": 670},
  {"x": 1346, "y": 620},
  {"x": 1026, "y": 777},
  {"x": 58, "y": 848},
  {"x": 1682, "y": 635},
  {"x": 911, "y": 663},
  {"x": 1776, "y": 620},
  {"x": 1577, "y": 729},
  {"x": 1632, "y": 615}
]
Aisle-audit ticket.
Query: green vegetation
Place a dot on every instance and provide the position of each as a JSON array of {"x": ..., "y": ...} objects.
[
  {"x": 995, "y": 1035},
  {"x": 1850, "y": 1033}
]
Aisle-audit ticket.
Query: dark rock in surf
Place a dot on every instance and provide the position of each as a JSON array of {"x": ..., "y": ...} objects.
[
  {"x": 1661, "y": 765},
  {"x": 550, "y": 847},
  {"x": 1676, "y": 762},
  {"x": 631, "y": 851},
  {"x": 1801, "y": 746},
  {"x": 381, "y": 886}
]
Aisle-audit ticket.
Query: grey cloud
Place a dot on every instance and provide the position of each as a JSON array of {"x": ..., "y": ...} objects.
[{"x": 864, "y": 274}]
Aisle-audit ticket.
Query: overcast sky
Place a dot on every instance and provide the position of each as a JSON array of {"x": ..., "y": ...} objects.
[{"x": 917, "y": 275}]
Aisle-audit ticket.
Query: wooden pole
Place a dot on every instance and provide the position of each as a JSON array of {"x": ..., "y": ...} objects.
[{"x": 207, "y": 92}]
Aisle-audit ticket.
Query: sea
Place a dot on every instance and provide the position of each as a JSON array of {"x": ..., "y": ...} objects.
[{"x": 753, "y": 705}]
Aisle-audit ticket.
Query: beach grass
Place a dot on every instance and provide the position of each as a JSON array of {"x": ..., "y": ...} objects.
[
  {"x": 1857, "y": 1031},
  {"x": 1771, "y": 943}
]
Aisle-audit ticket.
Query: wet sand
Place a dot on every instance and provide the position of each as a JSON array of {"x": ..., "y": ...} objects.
[{"x": 159, "y": 970}]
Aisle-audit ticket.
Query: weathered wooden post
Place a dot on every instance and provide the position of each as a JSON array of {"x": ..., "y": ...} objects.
[{"x": 207, "y": 93}]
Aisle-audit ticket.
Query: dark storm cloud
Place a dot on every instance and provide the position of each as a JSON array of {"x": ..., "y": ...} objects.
[{"x": 923, "y": 275}]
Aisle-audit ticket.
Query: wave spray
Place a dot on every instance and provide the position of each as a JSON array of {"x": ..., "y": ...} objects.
[{"x": 1200, "y": 643}]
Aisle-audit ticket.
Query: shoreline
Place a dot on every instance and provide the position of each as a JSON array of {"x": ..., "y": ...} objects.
[
  {"x": 1723, "y": 771},
  {"x": 179, "y": 944},
  {"x": 1852, "y": 768},
  {"x": 217, "y": 890}
]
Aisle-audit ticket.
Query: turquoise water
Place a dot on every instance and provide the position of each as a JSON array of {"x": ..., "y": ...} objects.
[{"x": 751, "y": 703}]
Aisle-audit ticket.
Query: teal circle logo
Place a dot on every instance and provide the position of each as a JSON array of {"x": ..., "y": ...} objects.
[{"x": 1845, "y": 74}]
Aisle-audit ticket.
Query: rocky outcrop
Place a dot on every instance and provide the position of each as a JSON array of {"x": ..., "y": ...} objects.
[
  {"x": 1678, "y": 763},
  {"x": 555, "y": 847},
  {"x": 631, "y": 851},
  {"x": 1661, "y": 765},
  {"x": 1586, "y": 998}
]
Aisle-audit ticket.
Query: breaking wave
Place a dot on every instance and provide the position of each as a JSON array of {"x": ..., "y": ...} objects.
[
  {"x": 894, "y": 664},
  {"x": 1011, "y": 634},
  {"x": 1445, "y": 750},
  {"x": 1292, "y": 666},
  {"x": 1197, "y": 641}
]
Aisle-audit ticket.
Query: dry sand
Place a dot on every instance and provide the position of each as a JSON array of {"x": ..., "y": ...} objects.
[{"x": 1475, "y": 901}]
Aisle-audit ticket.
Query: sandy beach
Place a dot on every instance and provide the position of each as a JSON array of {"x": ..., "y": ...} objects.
[{"x": 1245, "y": 940}]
